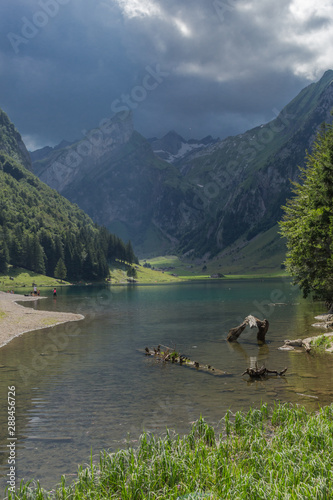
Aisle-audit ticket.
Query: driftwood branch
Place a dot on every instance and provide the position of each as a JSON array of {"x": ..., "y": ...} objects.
[
  {"x": 252, "y": 322},
  {"x": 262, "y": 372}
]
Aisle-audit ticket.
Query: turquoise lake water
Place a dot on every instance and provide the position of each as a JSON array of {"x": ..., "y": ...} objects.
[{"x": 87, "y": 386}]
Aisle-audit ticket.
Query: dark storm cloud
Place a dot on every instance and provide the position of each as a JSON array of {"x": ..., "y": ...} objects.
[{"x": 222, "y": 66}]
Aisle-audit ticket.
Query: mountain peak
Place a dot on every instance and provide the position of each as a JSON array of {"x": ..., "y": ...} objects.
[{"x": 172, "y": 147}]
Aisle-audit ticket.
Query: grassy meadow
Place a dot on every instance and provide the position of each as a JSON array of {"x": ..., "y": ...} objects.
[{"x": 19, "y": 278}]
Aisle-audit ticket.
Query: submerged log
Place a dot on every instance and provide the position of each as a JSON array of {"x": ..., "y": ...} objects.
[
  {"x": 168, "y": 354},
  {"x": 252, "y": 322},
  {"x": 262, "y": 372}
]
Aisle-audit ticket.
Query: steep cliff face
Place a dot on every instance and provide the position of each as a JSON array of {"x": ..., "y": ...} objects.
[
  {"x": 11, "y": 142},
  {"x": 242, "y": 183},
  {"x": 116, "y": 178},
  {"x": 210, "y": 197},
  {"x": 66, "y": 166}
]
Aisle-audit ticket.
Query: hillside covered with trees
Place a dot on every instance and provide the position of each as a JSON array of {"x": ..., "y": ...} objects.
[
  {"x": 39, "y": 228},
  {"x": 42, "y": 231}
]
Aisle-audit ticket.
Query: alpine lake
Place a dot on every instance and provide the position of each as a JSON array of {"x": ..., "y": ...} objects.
[{"x": 87, "y": 386}]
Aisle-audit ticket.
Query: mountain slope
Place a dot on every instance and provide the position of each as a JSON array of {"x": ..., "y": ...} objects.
[
  {"x": 242, "y": 184},
  {"x": 39, "y": 227},
  {"x": 11, "y": 142},
  {"x": 211, "y": 197},
  {"x": 122, "y": 184}
]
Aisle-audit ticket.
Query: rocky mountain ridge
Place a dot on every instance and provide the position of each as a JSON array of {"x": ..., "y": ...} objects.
[
  {"x": 173, "y": 148},
  {"x": 205, "y": 198}
]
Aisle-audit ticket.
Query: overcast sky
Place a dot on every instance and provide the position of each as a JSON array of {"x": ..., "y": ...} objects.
[{"x": 199, "y": 67}]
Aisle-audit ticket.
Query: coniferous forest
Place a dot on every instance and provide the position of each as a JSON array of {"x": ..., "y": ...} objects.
[{"x": 43, "y": 232}]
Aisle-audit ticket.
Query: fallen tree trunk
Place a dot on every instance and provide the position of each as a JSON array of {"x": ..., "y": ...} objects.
[
  {"x": 167, "y": 354},
  {"x": 253, "y": 322}
]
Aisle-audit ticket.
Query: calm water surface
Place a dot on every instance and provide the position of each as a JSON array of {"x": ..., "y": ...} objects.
[{"x": 86, "y": 386}]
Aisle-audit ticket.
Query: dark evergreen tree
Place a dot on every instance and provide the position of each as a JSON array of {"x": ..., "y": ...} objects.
[
  {"x": 130, "y": 256},
  {"x": 16, "y": 252},
  {"x": 37, "y": 255},
  {"x": 308, "y": 222},
  {"x": 27, "y": 251},
  {"x": 88, "y": 267},
  {"x": 4, "y": 257},
  {"x": 60, "y": 270},
  {"x": 132, "y": 273},
  {"x": 47, "y": 242}
]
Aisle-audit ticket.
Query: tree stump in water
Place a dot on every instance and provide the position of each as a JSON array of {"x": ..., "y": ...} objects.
[
  {"x": 234, "y": 333},
  {"x": 253, "y": 322},
  {"x": 262, "y": 372}
]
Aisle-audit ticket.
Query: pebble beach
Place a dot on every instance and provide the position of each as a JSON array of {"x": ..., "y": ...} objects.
[{"x": 15, "y": 319}]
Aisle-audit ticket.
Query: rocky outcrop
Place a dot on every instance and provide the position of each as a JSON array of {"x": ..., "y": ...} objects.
[
  {"x": 175, "y": 149},
  {"x": 11, "y": 142},
  {"x": 242, "y": 181},
  {"x": 69, "y": 165}
]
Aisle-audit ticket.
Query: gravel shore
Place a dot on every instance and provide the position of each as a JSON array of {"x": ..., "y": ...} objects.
[{"x": 16, "y": 319}]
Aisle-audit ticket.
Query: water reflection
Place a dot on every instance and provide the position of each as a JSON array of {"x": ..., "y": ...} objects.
[{"x": 87, "y": 385}]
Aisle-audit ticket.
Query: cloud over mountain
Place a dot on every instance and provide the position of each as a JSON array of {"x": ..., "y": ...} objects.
[{"x": 226, "y": 63}]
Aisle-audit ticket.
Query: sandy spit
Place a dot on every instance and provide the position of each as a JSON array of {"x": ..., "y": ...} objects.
[{"x": 16, "y": 319}]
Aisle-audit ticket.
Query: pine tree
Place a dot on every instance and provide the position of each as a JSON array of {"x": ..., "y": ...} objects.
[
  {"x": 16, "y": 252},
  {"x": 47, "y": 242},
  {"x": 37, "y": 256},
  {"x": 308, "y": 222},
  {"x": 60, "y": 270},
  {"x": 88, "y": 267},
  {"x": 129, "y": 253},
  {"x": 27, "y": 252},
  {"x": 4, "y": 257},
  {"x": 131, "y": 273}
]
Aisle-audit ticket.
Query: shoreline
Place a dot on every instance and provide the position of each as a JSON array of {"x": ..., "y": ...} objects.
[{"x": 15, "y": 319}]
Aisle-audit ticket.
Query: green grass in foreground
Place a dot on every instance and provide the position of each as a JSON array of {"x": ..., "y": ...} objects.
[{"x": 282, "y": 453}]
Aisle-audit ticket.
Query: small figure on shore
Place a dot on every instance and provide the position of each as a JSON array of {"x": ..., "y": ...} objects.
[
  {"x": 35, "y": 290},
  {"x": 55, "y": 292}
]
